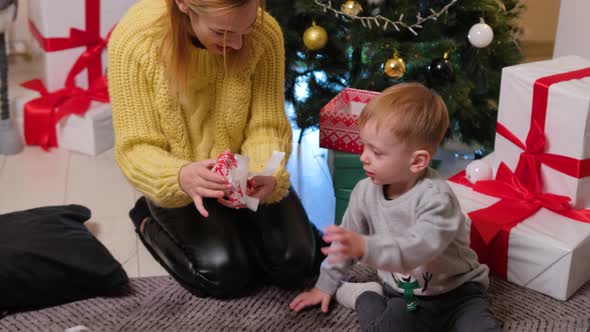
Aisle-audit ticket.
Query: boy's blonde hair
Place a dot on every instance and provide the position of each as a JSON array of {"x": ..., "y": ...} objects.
[
  {"x": 415, "y": 114},
  {"x": 175, "y": 49}
]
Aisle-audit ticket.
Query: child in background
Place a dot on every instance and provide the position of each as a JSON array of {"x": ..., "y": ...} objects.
[{"x": 405, "y": 221}]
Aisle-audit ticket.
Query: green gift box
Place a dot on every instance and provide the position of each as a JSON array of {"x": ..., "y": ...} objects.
[
  {"x": 346, "y": 169},
  {"x": 342, "y": 198}
]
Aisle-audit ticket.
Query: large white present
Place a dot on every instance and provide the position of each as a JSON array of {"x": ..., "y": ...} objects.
[
  {"x": 546, "y": 251},
  {"x": 58, "y": 48},
  {"x": 555, "y": 94},
  {"x": 90, "y": 134}
]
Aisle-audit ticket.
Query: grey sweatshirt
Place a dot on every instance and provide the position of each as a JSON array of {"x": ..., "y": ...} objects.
[{"x": 418, "y": 240}]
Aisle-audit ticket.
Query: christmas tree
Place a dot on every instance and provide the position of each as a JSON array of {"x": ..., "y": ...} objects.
[{"x": 456, "y": 47}]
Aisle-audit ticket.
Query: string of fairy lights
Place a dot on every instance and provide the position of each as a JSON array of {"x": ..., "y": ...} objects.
[
  {"x": 315, "y": 37},
  {"x": 351, "y": 10}
]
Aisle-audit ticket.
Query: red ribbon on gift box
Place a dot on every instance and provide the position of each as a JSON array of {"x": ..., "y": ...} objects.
[
  {"x": 42, "y": 114},
  {"x": 521, "y": 193}
]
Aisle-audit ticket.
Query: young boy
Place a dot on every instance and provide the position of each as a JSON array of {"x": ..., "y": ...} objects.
[{"x": 405, "y": 221}]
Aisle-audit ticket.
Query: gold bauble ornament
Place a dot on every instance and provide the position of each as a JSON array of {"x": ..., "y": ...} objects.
[
  {"x": 315, "y": 37},
  {"x": 351, "y": 8},
  {"x": 395, "y": 67}
]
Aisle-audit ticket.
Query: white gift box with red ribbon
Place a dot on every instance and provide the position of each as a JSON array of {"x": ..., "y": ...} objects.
[
  {"x": 339, "y": 128},
  {"x": 91, "y": 133},
  {"x": 547, "y": 252},
  {"x": 526, "y": 223},
  {"x": 58, "y": 46},
  {"x": 566, "y": 124},
  {"x": 73, "y": 35}
]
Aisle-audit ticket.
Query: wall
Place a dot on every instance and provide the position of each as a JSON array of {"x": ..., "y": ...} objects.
[
  {"x": 539, "y": 21},
  {"x": 539, "y": 24},
  {"x": 574, "y": 29},
  {"x": 19, "y": 32}
]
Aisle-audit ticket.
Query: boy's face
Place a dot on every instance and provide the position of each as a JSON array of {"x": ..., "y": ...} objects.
[{"x": 386, "y": 160}]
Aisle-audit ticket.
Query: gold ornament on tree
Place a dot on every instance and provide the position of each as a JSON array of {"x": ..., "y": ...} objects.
[
  {"x": 395, "y": 67},
  {"x": 351, "y": 8},
  {"x": 315, "y": 37}
]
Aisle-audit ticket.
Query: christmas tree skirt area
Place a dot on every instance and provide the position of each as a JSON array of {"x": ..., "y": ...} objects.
[{"x": 160, "y": 304}]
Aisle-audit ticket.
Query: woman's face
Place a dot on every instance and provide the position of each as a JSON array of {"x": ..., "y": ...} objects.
[{"x": 211, "y": 28}]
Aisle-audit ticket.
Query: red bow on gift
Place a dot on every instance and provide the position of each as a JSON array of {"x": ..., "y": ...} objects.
[
  {"x": 517, "y": 203},
  {"x": 42, "y": 114},
  {"x": 491, "y": 226}
]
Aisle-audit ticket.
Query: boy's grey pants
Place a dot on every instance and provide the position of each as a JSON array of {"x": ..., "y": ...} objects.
[{"x": 462, "y": 309}]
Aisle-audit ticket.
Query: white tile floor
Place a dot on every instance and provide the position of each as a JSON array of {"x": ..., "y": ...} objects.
[{"x": 37, "y": 178}]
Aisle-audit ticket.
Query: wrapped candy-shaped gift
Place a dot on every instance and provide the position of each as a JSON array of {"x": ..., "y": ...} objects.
[{"x": 235, "y": 169}]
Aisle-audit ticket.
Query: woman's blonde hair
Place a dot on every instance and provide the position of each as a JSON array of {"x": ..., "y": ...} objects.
[
  {"x": 175, "y": 48},
  {"x": 415, "y": 114}
]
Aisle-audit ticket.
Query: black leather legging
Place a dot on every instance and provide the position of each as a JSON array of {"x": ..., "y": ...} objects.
[{"x": 232, "y": 250}]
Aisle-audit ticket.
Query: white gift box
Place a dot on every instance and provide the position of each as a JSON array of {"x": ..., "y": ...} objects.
[
  {"x": 547, "y": 252},
  {"x": 54, "y": 19},
  {"x": 567, "y": 121},
  {"x": 90, "y": 134}
]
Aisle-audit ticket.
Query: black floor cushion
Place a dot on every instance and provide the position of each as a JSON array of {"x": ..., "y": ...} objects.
[{"x": 48, "y": 257}]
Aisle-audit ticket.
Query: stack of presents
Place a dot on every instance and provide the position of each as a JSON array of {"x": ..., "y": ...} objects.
[
  {"x": 68, "y": 106},
  {"x": 529, "y": 222}
]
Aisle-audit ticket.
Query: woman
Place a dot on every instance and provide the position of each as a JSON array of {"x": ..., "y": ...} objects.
[{"x": 189, "y": 79}]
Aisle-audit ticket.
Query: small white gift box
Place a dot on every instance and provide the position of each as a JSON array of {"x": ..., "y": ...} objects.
[{"x": 89, "y": 134}]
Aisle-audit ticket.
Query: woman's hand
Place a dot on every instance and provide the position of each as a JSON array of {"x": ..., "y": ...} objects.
[
  {"x": 258, "y": 187},
  {"x": 311, "y": 298},
  {"x": 230, "y": 204},
  {"x": 197, "y": 181},
  {"x": 261, "y": 186}
]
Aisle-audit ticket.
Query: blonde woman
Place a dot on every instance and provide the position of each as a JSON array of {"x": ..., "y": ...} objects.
[{"x": 189, "y": 79}]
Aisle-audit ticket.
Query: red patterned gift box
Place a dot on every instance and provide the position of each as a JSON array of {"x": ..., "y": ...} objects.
[{"x": 339, "y": 128}]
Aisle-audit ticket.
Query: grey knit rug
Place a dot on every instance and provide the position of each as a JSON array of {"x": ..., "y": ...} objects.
[{"x": 159, "y": 304}]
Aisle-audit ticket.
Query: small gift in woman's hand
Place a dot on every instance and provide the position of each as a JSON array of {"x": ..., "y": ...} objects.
[{"x": 235, "y": 169}]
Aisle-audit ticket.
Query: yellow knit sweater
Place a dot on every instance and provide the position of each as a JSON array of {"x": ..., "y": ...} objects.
[{"x": 157, "y": 134}]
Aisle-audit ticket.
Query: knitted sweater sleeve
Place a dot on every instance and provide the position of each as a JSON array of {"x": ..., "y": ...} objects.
[
  {"x": 268, "y": 128},
  {"x": 141, "y": 148}
]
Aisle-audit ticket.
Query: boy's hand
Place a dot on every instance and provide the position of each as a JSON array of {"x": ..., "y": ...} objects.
[
  {"x": 311, "y": 298},
  {"x": 349, "y": 244}
]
